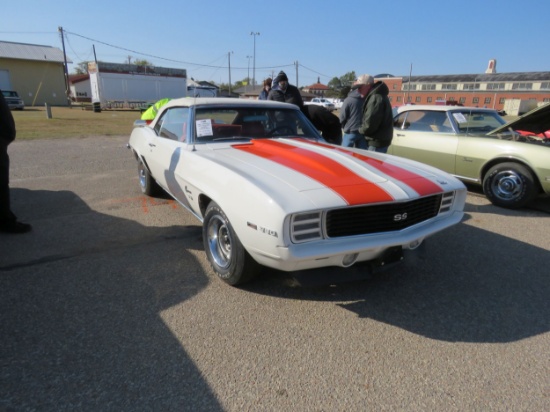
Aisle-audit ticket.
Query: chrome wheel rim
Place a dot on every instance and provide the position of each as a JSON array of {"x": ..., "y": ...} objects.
[
  {"x": 219, "y": 242},
  {"x": 507, "y": 185},
  {"x": 142, "y": 175}
]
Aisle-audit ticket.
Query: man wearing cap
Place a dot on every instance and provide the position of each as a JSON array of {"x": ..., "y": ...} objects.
[
  {"x": 284, "y": 92},
  {"x": 377, "y": 123}
]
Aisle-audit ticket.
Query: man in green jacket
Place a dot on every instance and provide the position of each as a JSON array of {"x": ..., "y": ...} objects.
[{"x": 377, "y": 123}]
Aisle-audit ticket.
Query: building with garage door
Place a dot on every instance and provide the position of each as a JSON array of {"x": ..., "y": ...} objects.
[{"x": 35, "y": 72}]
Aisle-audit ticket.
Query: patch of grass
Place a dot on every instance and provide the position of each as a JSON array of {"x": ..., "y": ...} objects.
[{"x": 33, "y": 123}]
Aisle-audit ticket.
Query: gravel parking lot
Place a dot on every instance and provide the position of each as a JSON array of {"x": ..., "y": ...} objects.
[{"x": 109, "y": 305}]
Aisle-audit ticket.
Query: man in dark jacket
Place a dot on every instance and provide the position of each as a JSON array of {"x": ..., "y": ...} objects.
[
  {"x": 282, "y": 91},
  {"x": 377, "y": 123},
  {"x": 351, "y": 117},
  {"x": 8, "y": 221},
  {"x": 324, "y": 121}
]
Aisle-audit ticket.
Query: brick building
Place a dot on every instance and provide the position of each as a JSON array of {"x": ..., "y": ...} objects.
[{"x": 489, "y": 89}]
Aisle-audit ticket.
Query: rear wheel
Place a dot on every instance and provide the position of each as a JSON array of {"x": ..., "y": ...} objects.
[
  {"x": 147, "y": 183},
  {"x": 224, "y": 250},
  {"x": 509, "y": 185}
]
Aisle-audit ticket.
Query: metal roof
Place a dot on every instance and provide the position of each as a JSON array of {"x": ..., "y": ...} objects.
[{"x": 23, "y": 51}]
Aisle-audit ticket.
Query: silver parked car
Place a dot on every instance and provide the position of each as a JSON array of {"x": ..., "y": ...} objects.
[{"x": 13, "y": 100}]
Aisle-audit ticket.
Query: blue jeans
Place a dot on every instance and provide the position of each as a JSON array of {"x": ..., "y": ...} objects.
[
  {"x": 379, "y": 149},
  {"x": 354, "y": 140}
]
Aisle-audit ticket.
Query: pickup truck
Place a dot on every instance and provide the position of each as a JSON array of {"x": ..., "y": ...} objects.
[
  {"x": 319, "y": 101},
  {"x": 13, "y": 100}
]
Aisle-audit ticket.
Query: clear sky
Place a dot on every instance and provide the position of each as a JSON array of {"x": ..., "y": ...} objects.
[{"x": 326, "y": 39}]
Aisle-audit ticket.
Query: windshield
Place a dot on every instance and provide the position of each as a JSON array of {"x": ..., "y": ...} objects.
[
  {"x": 480, "y": 121},
  {"x": 236, "y": 123}
]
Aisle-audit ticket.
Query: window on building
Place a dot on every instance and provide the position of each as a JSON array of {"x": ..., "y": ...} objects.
[
  {"x": 487, "y": 100},
  {"x": 449, "y": 86},
  {"x": 394, "y": 86},
  {"x": 462, "y": 100},
  {"x": 545, "y": 86},
  {"x": 522, "y": 86},
  {"x": 398, "y": 99},
  {"x": 495, "y": 86},
  {"x": 418, "y": 99},
  {"x": 502, "y": 100},
  {"x": 429, "y": 99},
  {"x": 470, "y": 86},
  {"x": 408, "y": 86},
  {"x": 428, "y": 86},
  {"x": 475, "y": 100},
  {"x": 546, "y": 99}
]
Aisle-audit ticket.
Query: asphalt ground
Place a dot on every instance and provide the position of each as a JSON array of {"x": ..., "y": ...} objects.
[{"x": 109, "y": 304}]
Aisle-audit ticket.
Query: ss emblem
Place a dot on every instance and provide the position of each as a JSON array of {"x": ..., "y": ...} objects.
[{"x": 399, "y": 217}]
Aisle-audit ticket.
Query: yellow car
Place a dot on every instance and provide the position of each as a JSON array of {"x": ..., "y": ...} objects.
[{"x": 477, "y": 146}]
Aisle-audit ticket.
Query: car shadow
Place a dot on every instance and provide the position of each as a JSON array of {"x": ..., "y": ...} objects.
[
  {"x": 540, "y": 204},
  {"x": 81, "y": 297},
  {"x": 463, "y": 285}
]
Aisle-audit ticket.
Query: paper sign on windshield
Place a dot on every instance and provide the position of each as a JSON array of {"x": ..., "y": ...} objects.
[
  {"x": 459, "y": 117},
  {"x": 204, "y": 127}
]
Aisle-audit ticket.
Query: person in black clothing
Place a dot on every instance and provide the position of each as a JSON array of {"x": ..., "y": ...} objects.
[
  {"x": 8, "y": 221},
  {"x": 282, "y": 91},
  {"x": 324, "y": 121}
]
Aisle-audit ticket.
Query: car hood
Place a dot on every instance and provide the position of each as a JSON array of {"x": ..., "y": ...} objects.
[
  {"x": 355, "y": 176},
  {"x": 536, "y": 121}
]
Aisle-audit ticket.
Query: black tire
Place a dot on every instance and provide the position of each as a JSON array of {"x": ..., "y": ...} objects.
[
  {"x": 509, "y": 185},
  {"x": 147, "y": 183},
  {"x": 224, "y": 250}
]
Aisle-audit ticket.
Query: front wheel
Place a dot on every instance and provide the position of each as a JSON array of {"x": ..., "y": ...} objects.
[
  {"x": 147, "y": 183},
  {"x": 509, "y": 185},
  {"x": 225, "y": 252}
]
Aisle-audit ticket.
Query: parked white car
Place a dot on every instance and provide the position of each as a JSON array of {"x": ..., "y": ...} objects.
[
  {"x": 270, "y": 191},
  {"x": 319, "y": 101}
]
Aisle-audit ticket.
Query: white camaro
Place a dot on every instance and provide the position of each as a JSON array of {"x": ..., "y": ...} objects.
[{"x": 270, "y": 191}]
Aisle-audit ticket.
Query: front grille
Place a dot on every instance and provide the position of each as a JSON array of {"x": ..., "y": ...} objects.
[{"x": 390, "y": 217}]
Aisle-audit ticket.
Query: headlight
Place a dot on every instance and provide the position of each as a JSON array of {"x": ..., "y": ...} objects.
[{"x": 305, "y": 227}]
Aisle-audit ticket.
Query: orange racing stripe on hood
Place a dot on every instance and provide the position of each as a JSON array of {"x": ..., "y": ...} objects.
[
  {"x": 354, "y": 189},
  {"x": 421, "y": 185}
]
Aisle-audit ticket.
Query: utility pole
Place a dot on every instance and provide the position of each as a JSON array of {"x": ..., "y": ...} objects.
[
  {"x": 229, "y": 64},
  {"x": 254, "y": 33},
  {"x": 65, "y": 70},
  {"x": 248, "y": 74},
  {"x": 296, "y": 63}
]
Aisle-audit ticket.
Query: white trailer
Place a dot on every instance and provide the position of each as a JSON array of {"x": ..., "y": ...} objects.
[{"x": 129, "y": 86}]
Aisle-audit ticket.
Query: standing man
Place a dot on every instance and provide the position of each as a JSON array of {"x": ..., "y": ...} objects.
[
  {"x": 351, "y": 118},
  {"x": 282, "y": 91},
  {"x": 8, "y": 221},
  {"x": 377, "y": 124}
]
